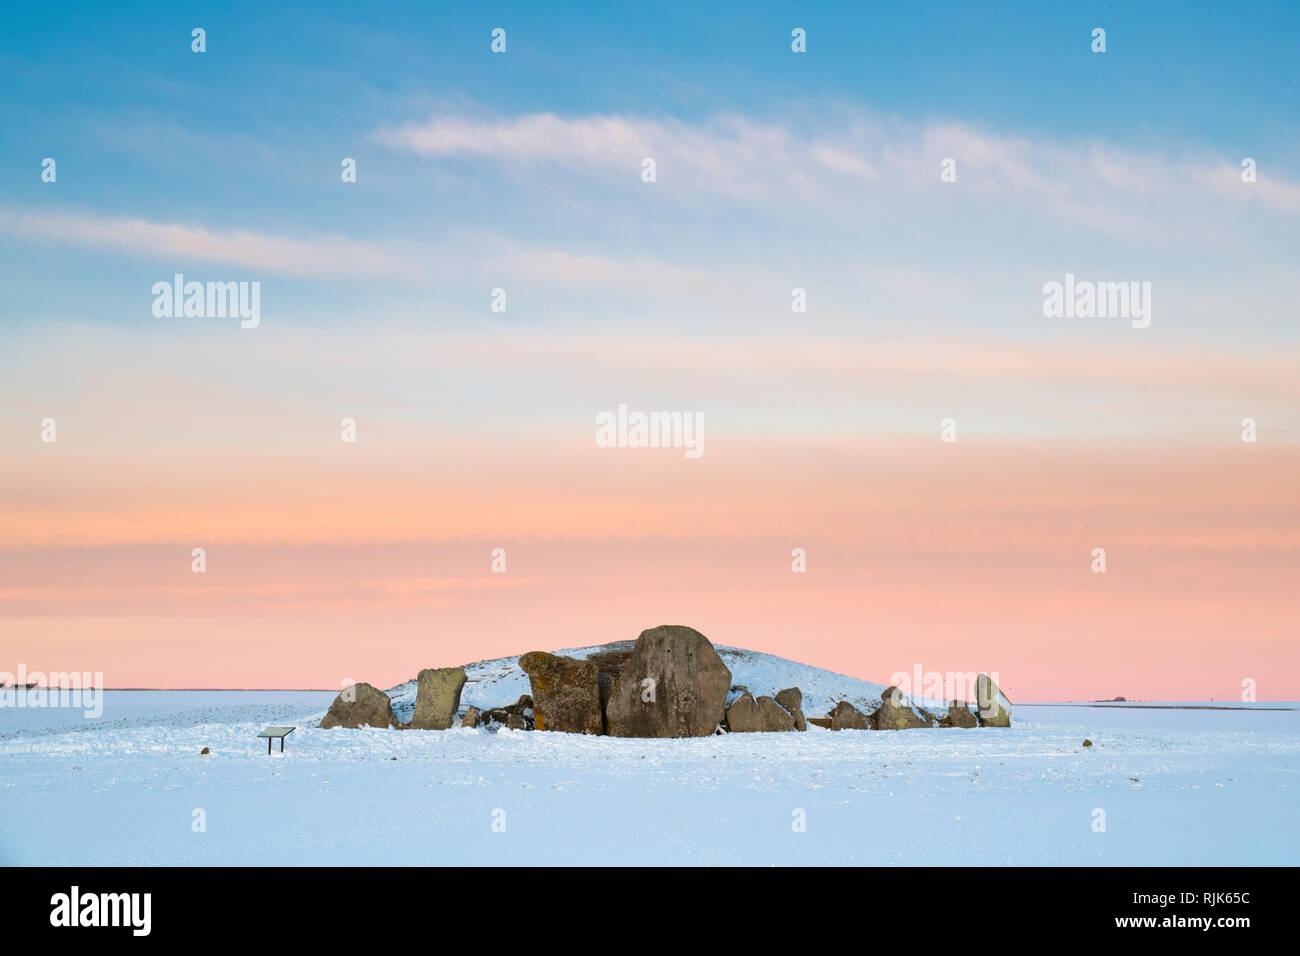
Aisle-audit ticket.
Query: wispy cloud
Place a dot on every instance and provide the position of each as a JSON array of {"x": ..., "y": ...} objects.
[
  {"x": 485, "y": 256},
  {"x": 318, "y": 256},
  {"x": 846, "y": 160},
  {"x": 872, "y": 177}
]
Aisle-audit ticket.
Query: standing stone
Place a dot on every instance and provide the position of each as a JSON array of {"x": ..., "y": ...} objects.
[
  {"x": 959, "y": 715},
  {"x": 437, "y": 698},
  {"x": 742, "y": 715},
  {"x": 566, "y": 693},
  {"x": 896, "y": 713},
  {"x": 673, "y": 685},
  {"x": 847, "y": 717},
  {"x": 764, "y": 715},
  {"x": 792, "y": 700},
  {"x": 994, "y": 708},
  {"x": 772, "y": 717},
  {"x": 609, "y": 665},
  {"x": 471, "y": 718},
  {"x": 360, "y": 705}
]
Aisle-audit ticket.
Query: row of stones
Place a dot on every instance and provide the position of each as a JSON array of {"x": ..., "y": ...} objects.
[
  {"x": 784, "y": 712},
  {"x": 672, "y": 683}
]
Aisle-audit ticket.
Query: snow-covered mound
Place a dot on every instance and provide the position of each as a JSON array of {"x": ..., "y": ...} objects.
[
  {"x": 498, "y": 682},
  {"x": 822, "y": 689}
]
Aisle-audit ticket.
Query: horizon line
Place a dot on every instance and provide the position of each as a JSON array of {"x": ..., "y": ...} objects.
[{"x": 1152, "y": 703}]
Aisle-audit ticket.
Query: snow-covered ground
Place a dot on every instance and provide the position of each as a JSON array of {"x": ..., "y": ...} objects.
[{"x": 1175, "y": 787}]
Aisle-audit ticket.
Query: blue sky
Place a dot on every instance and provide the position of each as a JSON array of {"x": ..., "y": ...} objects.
[
  {"x": 1209, "y": 73},
  {"x": 248, "y": 137}
]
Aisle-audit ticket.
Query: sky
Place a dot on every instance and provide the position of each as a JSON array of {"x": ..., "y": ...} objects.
[{"x": 824, "y": 430}]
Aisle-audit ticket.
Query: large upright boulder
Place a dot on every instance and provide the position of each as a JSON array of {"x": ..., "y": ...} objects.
[
  {"x": 791, "y": 699},
  {"x": 609, "y": 665},
  {"x": 673, "y": 685},
  {"x": 959, "y": 715},
  {"x": 360, "y": 705},
  {"x": 566, "y": 693},
  {"x": 847, "y": 717},
  {"x": 896, "y": 712},
  {"x": 437, "y": 697},
  {"x": 993, "y": 707}
]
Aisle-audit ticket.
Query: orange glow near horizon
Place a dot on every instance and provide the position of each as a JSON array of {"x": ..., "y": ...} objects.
[{"x": 971, "y": 556}]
